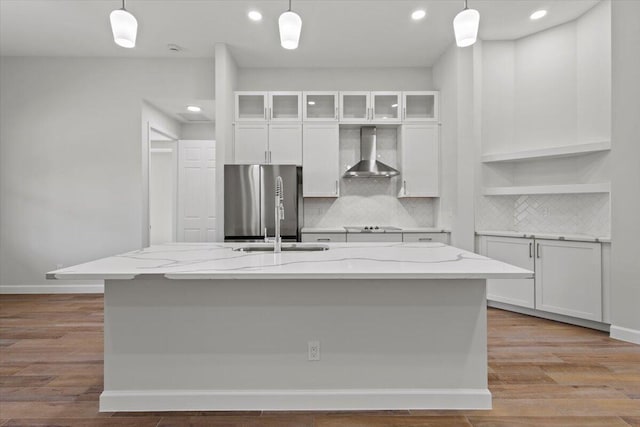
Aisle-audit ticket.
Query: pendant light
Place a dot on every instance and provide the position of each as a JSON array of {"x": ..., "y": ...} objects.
[
  {"x": 290, "y": 25},
  {"x": 124, "y": 27},
  {"x": 465, "y": 26}
]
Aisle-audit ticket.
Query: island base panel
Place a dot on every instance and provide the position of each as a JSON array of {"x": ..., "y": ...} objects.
[{"x": 243, "y": 344}]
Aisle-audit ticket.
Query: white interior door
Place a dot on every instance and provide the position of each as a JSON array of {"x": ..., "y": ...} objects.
[
  {"x": 162, "y": 192},
  {"x": 196, "y": 191}
]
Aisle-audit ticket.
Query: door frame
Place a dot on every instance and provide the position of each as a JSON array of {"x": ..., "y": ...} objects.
[{"x": 146, "y": 195}]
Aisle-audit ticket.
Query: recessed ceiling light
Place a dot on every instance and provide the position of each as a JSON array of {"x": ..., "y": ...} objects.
[
  {"x": 311, "y": 102},
  {"x": 418, "y": 14},
  {"x": 394, "y": 106},
  {"x": 538, "y": 14},
  {"x": 254, "y": 15},
  {"x": 194, "y": 108}
]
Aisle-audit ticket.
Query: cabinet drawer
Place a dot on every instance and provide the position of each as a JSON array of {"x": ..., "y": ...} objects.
[
  {"x": 324, "y": 237},
  {"x": 425, "y": 237},
  {"x": 374, "y": 237}
]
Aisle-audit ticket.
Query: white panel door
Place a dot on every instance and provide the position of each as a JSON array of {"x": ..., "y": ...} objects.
[
  {"x": 514, "y": 251},
  {"x": 420, "y": 160},
  {"x": 320, "y": 160},
  {"x": 196, "y": 191},
  {"x": 285, "y": 144},
  {"x": 250, "y": 143},
  {"x": 569, "y": 278}
]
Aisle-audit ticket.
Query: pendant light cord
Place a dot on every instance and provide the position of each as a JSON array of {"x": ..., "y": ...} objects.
[
  {"x": 465, "y": 4},
  {"x": 123, "y": 6},
  {"x": 290, "y": 4}
]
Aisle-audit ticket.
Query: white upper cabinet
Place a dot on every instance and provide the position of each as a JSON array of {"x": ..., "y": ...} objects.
[
  {"x": 420, "y": 160},
  {"x": 268, "y": 106},
  {"x": 422, "y": 106},
  {"x": 320, "y": 106},
  {"x": 355, "y": 107},
  {"x": 251, "y": 106},
  {"x": 385, "y": 107},
  {"x": 320, "y": 160},
  {"x": 285, "y": 144},
  {"x": 375, "y": 107},
  {"x": 268, "y": 143},
  {"x": 285, "y": 106}
]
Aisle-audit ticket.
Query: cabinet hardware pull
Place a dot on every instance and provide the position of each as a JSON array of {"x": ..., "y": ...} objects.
[
  {"x": 336, "y": 187},
  {"x": 265, "y": 113},
  {"x": 404, "y": 186},
  {"x": 270, "y": 113},
  {"x": 265, "y": 157},
  {"x": 425, "y": 239},
  {"x": 404, "y": 113},
  {"x": 530, "y": 247},
  {"x": 269, "y": 156},
  {"x": 336, "y": 113},
  {"x": 323, "y": 240},
  {"x": 538, "y": 250}
]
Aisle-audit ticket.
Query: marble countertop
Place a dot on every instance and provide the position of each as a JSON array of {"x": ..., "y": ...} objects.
[
  {"x": 549, "y": 236},
  {"x": 402, "y": 230},
  {"x": 341, "y": 261}
]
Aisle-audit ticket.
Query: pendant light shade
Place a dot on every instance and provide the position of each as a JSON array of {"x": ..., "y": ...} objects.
[
  {"x": 465, "y": 26},
  {"x": 124, "y": 27},
  {"x": 290, "y": 25}
]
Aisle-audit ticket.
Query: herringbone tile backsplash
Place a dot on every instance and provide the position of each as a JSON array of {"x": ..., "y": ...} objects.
[{"x": 546, "y": 213}]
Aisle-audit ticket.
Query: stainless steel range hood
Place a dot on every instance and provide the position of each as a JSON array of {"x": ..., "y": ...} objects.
[{"x": 368, "y": 166}]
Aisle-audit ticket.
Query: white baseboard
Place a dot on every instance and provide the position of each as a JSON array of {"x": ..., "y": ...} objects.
[
  {"x": 293, "y": 400},
  {"x": 625, "y": 334},
  {"x": 53, "y": 289}
]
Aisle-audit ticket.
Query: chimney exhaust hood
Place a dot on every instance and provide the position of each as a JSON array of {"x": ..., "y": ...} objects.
[{"x": 368, "y": 166}]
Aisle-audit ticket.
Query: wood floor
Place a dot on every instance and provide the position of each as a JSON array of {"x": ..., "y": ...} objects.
[{"x": 541, "y": 373}]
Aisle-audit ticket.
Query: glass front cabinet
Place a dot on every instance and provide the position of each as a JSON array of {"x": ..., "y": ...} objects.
[
  {"x": 420, "y": 106},
  {"x": 375, "y": 107},
  {"x": 320, "y": 106},
  {"x": 268, "y": 106}
]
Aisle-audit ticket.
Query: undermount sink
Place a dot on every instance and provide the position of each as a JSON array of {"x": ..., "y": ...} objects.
[{"x": 286, "y": 247}]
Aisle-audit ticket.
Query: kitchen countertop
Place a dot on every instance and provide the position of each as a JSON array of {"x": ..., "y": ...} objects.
[
  {"x": 341, "y": 261},
  {"x": 402, "y": 230},
  {"x": 549, "y": 236}
]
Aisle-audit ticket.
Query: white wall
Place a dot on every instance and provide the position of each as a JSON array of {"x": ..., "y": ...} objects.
[
  {"x": 198, "y": 131},
  {"x": 551, "y": 88},
  {"x": 625, "y": 192},
  {"x": 407, "y": 78},
  {"x": 70, "y": 157}
]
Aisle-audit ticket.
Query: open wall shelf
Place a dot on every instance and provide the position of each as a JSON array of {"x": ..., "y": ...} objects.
[
  {"x": 603, "y": 187},
  {"x": 548, "y": 153}
]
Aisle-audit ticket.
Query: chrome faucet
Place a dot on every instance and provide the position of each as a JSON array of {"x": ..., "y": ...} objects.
[{"x": 279, "y": 215}]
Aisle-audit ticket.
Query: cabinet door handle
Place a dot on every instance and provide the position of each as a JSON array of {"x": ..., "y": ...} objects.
[
  {"x": 425, "y": 239},
  {"x": 323, "y": 240},
  {"x": 538, "y": 250},
  {"x": 404, "y": 186},
  {"x": 404, "y": 113},
  {"x": 269, "y": 156},
  {"x": 336, "y": 187},
  {"x": 265, "y": 113},
  {"x": 530, "y": 248},
  {"x": 265, "y": 157},
  {"x": 336, "y": 113},
  {"x": 270, "y": 113}
]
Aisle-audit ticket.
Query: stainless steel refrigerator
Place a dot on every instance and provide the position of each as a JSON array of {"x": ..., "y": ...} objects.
[{"x": 249, "y": 202}]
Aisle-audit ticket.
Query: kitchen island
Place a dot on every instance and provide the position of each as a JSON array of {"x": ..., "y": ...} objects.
[{"x": 356, "y": 327}]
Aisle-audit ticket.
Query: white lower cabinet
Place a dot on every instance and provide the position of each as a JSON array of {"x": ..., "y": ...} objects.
[
  {"x": 320, "y": 160},
  {"x": 568, "y": 275},
  {"x": 409, "y": 237},
  {"x": 324, "y": 237},
  {"x": 374, "y": 237},
  {"x": 514, "y": 251},
  {"x": 569, "y": 278}
]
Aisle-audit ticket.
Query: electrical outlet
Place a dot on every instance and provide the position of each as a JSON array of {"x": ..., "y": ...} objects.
[{"x": 314, "y": 350}]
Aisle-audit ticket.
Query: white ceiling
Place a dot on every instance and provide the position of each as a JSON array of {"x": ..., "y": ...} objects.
[
  {"x": 177, "y": 109},
  {"x": 335, "y": 33}
]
